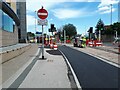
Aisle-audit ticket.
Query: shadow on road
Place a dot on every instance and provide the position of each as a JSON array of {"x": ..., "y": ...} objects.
[{"x": 54, "y": 52}]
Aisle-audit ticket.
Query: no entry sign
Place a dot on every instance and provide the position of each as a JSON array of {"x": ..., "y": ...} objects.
[{"x": 42, "y": 13}]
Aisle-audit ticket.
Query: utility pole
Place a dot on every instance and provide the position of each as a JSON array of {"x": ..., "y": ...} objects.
[
  {"x": 111, "y": 14},
  {"x": 64, "y": 36},
  {"x": 119, "y": 11}
]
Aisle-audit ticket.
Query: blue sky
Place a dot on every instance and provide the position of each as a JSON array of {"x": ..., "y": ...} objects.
[{"x": 83, "y": 14}]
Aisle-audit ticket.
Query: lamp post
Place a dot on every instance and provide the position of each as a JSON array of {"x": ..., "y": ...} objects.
[
  {"x": 111, "y": 14},
  {"x": 35, "y": 28},
  {"x": 64, "y": 37}
]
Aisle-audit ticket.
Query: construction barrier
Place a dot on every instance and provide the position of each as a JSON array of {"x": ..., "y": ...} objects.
[
  {"x": 94, "y": 43},
  {"x": 51, "y": 46},
  {"x": 55, "y": 47}
]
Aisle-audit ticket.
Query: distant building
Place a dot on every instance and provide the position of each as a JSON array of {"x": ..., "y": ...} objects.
[
  {"x": 9, "y": 23},
  {"x": 106, "y": 27},
  {"x": 22, "y": 31}
]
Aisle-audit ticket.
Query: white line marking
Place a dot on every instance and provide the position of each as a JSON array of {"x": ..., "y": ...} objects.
[{"x": 74, "y": 75}]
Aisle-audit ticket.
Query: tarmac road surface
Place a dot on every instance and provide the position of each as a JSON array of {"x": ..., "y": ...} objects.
[{"x": 92, "y": 72}]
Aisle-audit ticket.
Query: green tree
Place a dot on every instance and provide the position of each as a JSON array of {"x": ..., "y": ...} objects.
[
  {"x": 30, "y": 35},
  {"x": 116, "y": 27},
  {"x": 99, "y": 26},
  {"x": 70, "y": 30},
  {"x": 113, "y": 28}
]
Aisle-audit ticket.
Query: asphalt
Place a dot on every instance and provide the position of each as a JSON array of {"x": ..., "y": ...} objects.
[
  {"x": 104, "y": 52},
  {"x": 92, "y": 72}
]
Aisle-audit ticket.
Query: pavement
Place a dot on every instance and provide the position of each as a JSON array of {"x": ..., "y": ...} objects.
[{"x": 28, "y": 70}]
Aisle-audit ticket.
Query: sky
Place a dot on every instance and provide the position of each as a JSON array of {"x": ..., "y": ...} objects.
[{"x": 83, "y": 14}]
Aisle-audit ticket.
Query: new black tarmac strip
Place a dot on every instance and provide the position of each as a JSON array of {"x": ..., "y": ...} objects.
[{"x": 92, "y": 73}]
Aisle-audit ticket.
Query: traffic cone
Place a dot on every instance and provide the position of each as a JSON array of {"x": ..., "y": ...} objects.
[{"x": 55, "y": 47}]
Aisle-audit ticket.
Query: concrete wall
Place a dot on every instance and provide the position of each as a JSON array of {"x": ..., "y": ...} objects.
[
  {"x": 7, "y": 55},
  {"x": 8, "y": 38}
]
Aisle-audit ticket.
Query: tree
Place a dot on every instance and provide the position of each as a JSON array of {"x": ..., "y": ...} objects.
[
  {"x": 113, "y": 28},
  {"x": 99, "y": 26},
  {"x": 116, "y": 27},
  {"x": 70, "y": 30},
  {"x": 30, "y": 35}
]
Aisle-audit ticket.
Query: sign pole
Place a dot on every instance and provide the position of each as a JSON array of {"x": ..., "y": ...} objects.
[
  {"x": 42, "y": 14},
  {"x": 42, "y": 43}
]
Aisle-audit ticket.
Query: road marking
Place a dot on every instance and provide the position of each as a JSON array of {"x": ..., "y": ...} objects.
[{"x": 74, "y": 75}]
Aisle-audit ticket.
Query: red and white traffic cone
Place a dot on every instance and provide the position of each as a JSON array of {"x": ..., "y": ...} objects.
[{"x": 55, "y": 47}]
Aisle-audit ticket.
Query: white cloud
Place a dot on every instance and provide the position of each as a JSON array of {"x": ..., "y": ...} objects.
[
  {"x": 107, "y": 2},
  {"x": 107, "y": 11},
  {"x": 30, "y": 20},
  {"x": 85, "y": 0},
  {"x": 105, "y": 6},
  {"x": 69, "y": 13}
]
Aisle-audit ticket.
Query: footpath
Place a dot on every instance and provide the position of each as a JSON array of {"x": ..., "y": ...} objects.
[{"x": 28, "y": 70}]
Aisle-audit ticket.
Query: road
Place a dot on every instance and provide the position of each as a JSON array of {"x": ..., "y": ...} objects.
[{"x": 90, "y": 71}]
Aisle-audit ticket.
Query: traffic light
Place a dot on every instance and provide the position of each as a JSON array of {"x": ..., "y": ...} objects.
[
  {"x": 49, "y": 30},
  {"x": 91, "y": 30},
  {"x": 52, "y": 26}
]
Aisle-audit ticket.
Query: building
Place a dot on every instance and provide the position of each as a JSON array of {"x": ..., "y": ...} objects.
[
  {"x": 22, "y": 31},
  {"x": 9, "y": 23}
]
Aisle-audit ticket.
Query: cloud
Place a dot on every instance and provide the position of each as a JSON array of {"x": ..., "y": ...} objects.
[
  {"x": 30, "y": 20},
  {"x": 63, "y": 13},
  {"x": 105, "y": 6},
  {"x": 107, "y": 2},
  {"x": 85, "y": 0}
]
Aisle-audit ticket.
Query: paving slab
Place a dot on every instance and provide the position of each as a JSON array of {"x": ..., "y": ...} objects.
[{"x": 49, "y": 73}]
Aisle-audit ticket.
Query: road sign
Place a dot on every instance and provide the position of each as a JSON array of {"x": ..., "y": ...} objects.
[
  {"x": 42, "y": 22},
  {"x": 38, "y": 32},
  {"x": 42, "y": 13}
]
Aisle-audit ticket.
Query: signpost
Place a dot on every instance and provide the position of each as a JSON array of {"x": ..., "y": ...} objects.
[{"x": 42, "y": 14}]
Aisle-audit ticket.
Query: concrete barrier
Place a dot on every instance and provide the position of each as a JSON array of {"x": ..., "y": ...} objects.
[{"x": 7, "y": 55}]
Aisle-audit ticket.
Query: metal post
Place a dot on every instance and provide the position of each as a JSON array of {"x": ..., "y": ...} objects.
[
  {"x": 35, "y": 29},
  {"x": 49, "y": 38},
  {"x": 116, "y": 34},
  {"x": 99, "y": 35},
  {"x": 42, "y": 43},
  {"x": 111, "y": 13},
  {"x": 64, "y": 37}
]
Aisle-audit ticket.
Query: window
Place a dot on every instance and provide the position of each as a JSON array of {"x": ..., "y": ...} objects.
[
  {"x": 7, "y": 23},
  {"x": 0, "y": 18}
]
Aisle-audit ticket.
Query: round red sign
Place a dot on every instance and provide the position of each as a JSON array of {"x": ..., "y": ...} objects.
[{"x": 42, "y": 13}]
